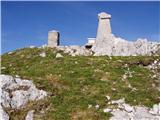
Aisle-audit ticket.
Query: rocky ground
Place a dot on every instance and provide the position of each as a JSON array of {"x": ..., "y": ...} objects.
[
  {"x": 16, "y": 94},
  {"x": 46, "y": 84},
  {"x": 116, "y": 46}
]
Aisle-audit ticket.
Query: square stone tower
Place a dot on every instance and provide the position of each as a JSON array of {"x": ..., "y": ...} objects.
[
  {"x": 53, "y": 38},
  {"x": 104, "y": 27}
]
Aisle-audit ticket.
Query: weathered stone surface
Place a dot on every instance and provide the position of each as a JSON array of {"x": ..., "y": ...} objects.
[
  {"x": 19, "y": 99},
  {"x": 15, "y": 93},
  {"x": 107, "y": 110},
  {"x": 43, "y": 54},
  {"x": 5, "y": 81},
  {"x": 5, "y": 99},
  {"x": 53, "y": 38},
  {"x": 75, "y": 50},
  {"x": 3, "y": 114},
  {"x": 29, "y": 115},
  {"x": 58, "y": 55},
  {"x": 104, "y": 27},
  {"x": 120, "y": 115},
  {"x": 114, "y": 46},
  {"x": 107, "y": 44},
  {"x": 126, "y": 112}
]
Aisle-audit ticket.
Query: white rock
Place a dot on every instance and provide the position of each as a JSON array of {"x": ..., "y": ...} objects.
[
  {"x": 120, "y": 115},
  {"x": 17, "y": 76},
  {"x": 155, "y": 109},
  {"x": 127, "y": 107},
  {"x": 21, "y": 82},
  {"x": 36, "y": 94},
  {"x": 58, "y": 55},
  {"x": 43, "y": 54},
  {"x": 107, "y": 110},
  {"x": 15, "y": 93},
  {"x": 159, "y": 108},
  {"x": 19, "y": 99},
  {"x": 124, "y": 77},
  {"x": 97, "y": 106},
  {"x": 89, "y": 106},
  {"x": 5, "y": 99},
  {"x": 5, "y": 80},
  {"x": 10, "y": 53},
  {"x": 114, "y": 46},
  {"x": 120, "y": 101},
  {"x": 108, "y": 97},
  {"x": 3, "y": 114},
  {"x": 143, "y": 113},
  {"x": 29, "y": 115}
]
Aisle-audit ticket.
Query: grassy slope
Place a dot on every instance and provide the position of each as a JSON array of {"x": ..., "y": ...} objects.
[{"x": 76, "y": 82}]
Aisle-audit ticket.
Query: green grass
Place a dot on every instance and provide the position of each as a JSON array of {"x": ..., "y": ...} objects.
[{"x": 76, "y": 82}]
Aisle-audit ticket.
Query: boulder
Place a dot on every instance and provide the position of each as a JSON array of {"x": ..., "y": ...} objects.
[
  {"x": 58, "y": 55},
  {"x": 29, "y": 115},
  {"x": 3, "y": 114},
  {"x": 16, "y": 93}
]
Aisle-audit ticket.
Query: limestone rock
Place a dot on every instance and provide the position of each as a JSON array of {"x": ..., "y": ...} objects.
[
  {"x": 120, "y": 115},
  {"x": 3, "y": 114},
  {"x": 107, "y": 110},
  {"x": 29, "y": 115},
  {"x": 108, "y": 44},
  {"x": 19, "y": 99},
  {"x": 128, "y": 108},
  {"x": 58, "y": 55},
  {"x": 5, "y": 99},
  {"x": 43, "y": 54},
  {"x": 75, "y": 50},
  {"x": 5, "y": 81},
  {"x": 127, "y": 112},
  {"x": 16, "y": 93}
]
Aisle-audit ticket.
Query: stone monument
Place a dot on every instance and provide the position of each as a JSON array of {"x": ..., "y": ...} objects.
[
  {"x": 106, "y": 43},
  {"x": 104, "y": 27},
  {"x": 53, "y": 38}
]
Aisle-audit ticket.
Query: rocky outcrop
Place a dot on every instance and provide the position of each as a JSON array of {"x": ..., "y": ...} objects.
[
  {"x": 155, "y": 68},
  {"x": 75, "y": 50},
  {"x": 29, "y": 115},
  {"x": 124, "y": 111},
  {"x": 16, "y": 93},
  {"x": 3, "y": 114},
  {"x": 114, "y": 46}
]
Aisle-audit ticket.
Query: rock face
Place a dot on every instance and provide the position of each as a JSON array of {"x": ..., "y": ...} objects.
[
  {"x": 16, "y": 93},
  {"x": 113, "y": 46},
  {"x": 126, "y": 112},
  {"x": 58, "y": 55},
  {"x": 155, "y": 67},
  {"x": 107, "y": 44},
  {"x": 75, "y": 50},
  {"x": 3, "y": 114},
  {"x": 53, "y": 38},
  {"x": 29, "y": 115}
]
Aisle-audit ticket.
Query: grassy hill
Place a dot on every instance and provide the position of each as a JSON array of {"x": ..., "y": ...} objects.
[{"x": 74, "y": 83}]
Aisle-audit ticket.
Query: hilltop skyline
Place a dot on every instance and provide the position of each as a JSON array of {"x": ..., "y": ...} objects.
[{"x": 28, "y": 23}]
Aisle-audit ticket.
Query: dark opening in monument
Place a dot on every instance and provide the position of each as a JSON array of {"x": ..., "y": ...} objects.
[{"x": 88, "y": 46}]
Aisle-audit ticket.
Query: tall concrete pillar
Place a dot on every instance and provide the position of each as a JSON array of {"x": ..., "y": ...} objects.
[
  {"x": 53, "y": 38},
  {"x": 104, "y": 27}
]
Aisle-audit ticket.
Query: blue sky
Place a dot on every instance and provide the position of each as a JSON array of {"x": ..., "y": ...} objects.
[{"x": 27, "y": 23}]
